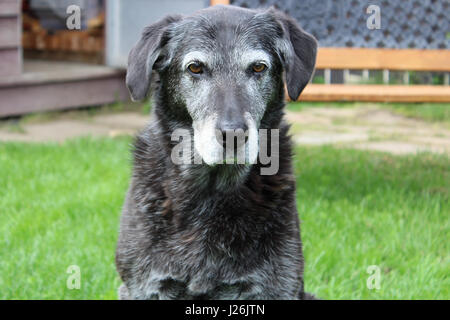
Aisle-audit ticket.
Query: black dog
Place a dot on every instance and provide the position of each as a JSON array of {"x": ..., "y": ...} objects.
[{"x": 211, "y": 230}]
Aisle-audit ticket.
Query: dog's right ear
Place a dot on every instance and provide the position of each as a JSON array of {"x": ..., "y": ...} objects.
[
  {"x": 143, "y": 56},
  {"x": 299, "y": 53}
]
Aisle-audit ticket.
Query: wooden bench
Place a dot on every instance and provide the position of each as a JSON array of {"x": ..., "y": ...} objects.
[{"x": 380, "y": 59}]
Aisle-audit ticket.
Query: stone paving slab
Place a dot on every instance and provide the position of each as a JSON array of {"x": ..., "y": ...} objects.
[{"x": 60, "y": 130}]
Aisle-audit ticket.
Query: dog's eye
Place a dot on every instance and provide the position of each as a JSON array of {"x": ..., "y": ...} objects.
[
  {"x": 195, "y": 68},
  {"x": 259, "y": 67}
]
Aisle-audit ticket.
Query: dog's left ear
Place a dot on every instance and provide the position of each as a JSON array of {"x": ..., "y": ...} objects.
[
  {"x": 144, "y": 55},
  {"x": 299, "y": 50}
]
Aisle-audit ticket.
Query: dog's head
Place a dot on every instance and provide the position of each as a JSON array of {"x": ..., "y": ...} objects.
[{"x": 223, "y": 68}]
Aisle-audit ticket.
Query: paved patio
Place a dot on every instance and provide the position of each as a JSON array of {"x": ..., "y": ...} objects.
[{"x": 367, "y": 128}]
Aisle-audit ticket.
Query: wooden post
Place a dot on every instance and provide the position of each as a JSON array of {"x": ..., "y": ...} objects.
[
  {"x": 346, "y": 75},
  {"x": 365, "y": 75},
  {"x": 386, "y": 76},
  {"x": 406, "y": 77},
  {"x": 215, "y": 2},
  {"x": 327, "y": 76}
]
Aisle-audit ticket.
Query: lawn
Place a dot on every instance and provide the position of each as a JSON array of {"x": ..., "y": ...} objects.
[{"x": 60, "y": 206}]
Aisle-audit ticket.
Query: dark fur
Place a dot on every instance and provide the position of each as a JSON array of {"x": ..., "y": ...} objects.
[{"x": 183, "y": 234}]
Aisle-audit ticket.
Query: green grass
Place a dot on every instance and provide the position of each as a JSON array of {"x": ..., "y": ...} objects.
[
  {"x": 60, "y": 206},
  {"x": 431, "y": 112},
  {"x": 364, "y": 208}
]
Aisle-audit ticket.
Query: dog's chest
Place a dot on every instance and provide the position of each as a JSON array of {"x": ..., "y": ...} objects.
[
  {"x": 196, "y": 272},
  {"x": 165, "y": 287},
  {"x": 214, "y": 249},
  {"x": 197, "y": 264}
]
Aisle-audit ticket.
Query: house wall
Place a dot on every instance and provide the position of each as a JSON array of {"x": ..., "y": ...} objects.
[
  {"x": 125, "y": 21},
  {"x": 10, "y": 38}
]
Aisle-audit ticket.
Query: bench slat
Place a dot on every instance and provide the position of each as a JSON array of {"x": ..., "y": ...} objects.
[
  {"x": 378, "y": 59},
  {"x": 376, "y": 93}
]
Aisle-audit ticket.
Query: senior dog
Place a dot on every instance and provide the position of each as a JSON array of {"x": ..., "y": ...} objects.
[{"x": 214, "y": 230}]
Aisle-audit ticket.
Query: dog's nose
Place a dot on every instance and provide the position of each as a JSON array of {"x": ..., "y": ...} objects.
[{"x": 238, "y": 130}]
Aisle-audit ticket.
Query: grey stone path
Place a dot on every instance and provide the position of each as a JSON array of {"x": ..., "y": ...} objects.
[{"x": 367, "y": 128}]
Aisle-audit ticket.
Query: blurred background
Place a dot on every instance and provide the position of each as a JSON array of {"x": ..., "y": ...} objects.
[{"x": 372, "y": 135}]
